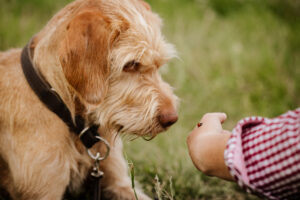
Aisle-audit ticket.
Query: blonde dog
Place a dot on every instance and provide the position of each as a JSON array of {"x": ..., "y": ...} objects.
[{"x": 102, "y": 59}]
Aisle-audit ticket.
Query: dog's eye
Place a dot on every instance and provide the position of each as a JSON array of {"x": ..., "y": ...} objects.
[{"x": 131, "y": 66}]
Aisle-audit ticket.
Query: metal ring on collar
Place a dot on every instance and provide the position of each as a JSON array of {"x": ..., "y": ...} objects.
[
  {"x": 98, "y": 156},
  {"x": 83, "y": 131}
]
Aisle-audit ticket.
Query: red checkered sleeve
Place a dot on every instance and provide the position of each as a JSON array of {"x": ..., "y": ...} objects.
[{"x": 263, "y": 155}]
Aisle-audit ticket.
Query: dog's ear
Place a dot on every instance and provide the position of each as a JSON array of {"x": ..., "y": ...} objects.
[{"x": 84, "y": 52}]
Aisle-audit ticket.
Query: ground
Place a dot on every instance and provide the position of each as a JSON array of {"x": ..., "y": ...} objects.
[{"x": 241, "y": 57}]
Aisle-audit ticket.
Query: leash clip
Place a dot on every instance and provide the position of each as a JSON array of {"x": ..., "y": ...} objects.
[{"x": 96, "y": 172}]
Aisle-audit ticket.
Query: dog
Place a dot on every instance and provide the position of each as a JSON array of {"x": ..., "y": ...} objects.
[{"x": 101, "y": 57}]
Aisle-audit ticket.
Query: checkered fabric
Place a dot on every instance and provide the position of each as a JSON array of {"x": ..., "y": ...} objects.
[{"x": 263, "y": 155}]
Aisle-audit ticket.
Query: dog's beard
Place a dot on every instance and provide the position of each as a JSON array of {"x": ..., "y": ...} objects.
[
  {"x": 148, "y": 133},
  {"x": 132, "y": 137},
  {"x": 130, "y": 122}
]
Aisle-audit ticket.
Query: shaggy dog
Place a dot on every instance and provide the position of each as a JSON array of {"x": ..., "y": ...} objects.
[{"x": 102, "y": 58}]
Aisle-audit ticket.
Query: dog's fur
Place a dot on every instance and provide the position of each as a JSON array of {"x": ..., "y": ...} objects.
[{"x": 102, "y": 57}]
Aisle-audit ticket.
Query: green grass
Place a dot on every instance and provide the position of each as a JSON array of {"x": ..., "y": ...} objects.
[{"x": 237, "y": 56}]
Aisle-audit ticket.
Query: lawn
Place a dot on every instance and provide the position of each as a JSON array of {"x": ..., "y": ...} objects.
[{"x": 241, "y": 57}]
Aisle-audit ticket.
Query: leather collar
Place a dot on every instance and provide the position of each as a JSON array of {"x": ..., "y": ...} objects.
[{"x": 53, "y": 101}]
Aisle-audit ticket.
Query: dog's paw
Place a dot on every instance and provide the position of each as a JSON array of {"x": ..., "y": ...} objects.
[{"x": 123, "y": 193}]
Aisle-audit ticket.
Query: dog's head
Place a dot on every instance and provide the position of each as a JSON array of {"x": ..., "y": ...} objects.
[{"x": 110, "y": 52}]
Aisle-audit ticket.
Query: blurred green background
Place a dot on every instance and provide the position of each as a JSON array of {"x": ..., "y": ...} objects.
[{"x": 241, "y": 57}]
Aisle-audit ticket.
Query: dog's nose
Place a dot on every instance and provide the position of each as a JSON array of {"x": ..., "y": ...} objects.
[{"x": 166, "y": 119}]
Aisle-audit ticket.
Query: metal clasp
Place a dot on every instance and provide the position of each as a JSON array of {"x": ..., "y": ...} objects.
[{"x": 96, "y": 172}]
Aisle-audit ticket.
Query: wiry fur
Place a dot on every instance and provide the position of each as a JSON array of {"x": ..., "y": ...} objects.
[{"x": 81, "y": 52}]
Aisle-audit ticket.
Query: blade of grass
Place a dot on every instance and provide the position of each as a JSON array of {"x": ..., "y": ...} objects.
[{"x": 131, "y": 168}]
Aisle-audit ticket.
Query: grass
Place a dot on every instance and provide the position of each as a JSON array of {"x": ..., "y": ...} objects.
[{"x": 237, "y": 56}]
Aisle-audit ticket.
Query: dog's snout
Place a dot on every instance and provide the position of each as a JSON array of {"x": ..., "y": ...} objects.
[{"x": 167, "y": 118}]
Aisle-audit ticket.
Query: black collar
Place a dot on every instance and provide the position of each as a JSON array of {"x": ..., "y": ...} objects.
[{"x": 53, "y": 101}]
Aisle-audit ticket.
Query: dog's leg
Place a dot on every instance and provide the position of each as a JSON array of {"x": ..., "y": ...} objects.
[
  {"x": 37, "y": 172},
  {"x": 31, "y": 182},
  {"x": 116, "y": 181}
]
